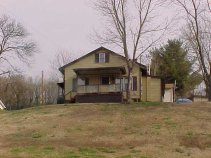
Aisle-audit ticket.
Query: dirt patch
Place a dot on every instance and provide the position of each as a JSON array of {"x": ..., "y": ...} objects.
[
  {"x": 102, "y": 142},
  {"x": 196, "y": 141}
]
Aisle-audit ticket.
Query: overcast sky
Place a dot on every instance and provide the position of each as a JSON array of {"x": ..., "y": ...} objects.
[{"x": 55, "y": 25}]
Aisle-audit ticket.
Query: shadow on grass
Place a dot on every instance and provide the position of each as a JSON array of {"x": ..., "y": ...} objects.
[
  {"x": 149, "y": 104},
  {"x": 192, "y": 140}
]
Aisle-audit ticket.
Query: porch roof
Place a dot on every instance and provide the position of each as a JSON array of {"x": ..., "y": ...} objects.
[
  {"x": 61, "y": 85},
  {"x": 100, "y": 71}
]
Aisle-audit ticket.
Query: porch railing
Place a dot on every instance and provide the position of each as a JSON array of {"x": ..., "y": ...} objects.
[{"x": 99, "y": 88}]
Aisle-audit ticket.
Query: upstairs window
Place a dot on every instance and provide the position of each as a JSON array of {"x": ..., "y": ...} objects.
[{"x": 102, "y": 57}]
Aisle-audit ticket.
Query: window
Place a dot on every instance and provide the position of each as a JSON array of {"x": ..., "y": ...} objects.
[
  {"x": 122, "y": 82},
  {"x": 102, "y": 57},
  {"x": 134, "y": 83},
  {"x": 105, "y": 80},
  {"x": 83, "y": 81}
]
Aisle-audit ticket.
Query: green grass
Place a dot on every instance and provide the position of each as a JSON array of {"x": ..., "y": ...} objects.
[
  {"x": 156, "y": 126},
  {"x": 179, "y": 150},
  {"x": 70, "y": 154},
  {"x": 125, "y": 156},
  {"x": 106, "y": 150},
  {"x": 34, "y": 151},
  {"x": 87, "y": 151},
  {"x": 36, "y": 135},
  {"x": 150, "y": 104},
  {"x": 140, "y": 130}
]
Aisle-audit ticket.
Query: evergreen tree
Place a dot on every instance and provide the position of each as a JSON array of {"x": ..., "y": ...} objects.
[{"x": 171, "y": 63}]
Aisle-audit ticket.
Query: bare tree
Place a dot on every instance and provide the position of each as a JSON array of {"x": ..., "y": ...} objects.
[
  {"x": 209, "y": 7},
  {"x": 13, "y": 44},
  {"x": 61, "y": 58},
  {"x": 198, "y": 35},
  {"x": 130, "y": 26},
  {"x": 16, "y": 91}
]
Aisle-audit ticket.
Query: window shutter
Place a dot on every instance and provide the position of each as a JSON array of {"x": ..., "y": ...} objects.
[
  {"x": 96, "y": 58},
  {"x": 134, "y": 83},
  {"x": 107, "y": 57},
  {"x": 74, "y": 85}
]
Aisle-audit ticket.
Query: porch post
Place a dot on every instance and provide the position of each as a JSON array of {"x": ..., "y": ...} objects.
[
  {"x": 58, "y": 90},
  {"x": 120, "y": 86},
  {"x": 76, "y": 88},
  {"x": 98, "y": 86}
]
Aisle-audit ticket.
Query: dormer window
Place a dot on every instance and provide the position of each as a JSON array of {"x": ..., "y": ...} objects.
[{"x": 102, "y": 57}]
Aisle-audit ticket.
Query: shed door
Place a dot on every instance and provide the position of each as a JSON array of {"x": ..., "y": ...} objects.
[{"x": 168, "y": 96}]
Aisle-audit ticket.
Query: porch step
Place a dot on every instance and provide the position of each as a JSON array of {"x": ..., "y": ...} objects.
[{"x": 99, "y": 98}]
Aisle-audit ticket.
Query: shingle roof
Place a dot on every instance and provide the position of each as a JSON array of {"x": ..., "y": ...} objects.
[{"x": 61, "y": 69}]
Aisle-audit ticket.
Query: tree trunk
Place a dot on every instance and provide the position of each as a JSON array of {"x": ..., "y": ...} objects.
[
  {"x": 209, "y": 84},
  {"x": 128, "y": 98}
]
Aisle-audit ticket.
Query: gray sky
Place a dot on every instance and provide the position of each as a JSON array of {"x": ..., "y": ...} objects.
[{"x": 55, "y": 25}]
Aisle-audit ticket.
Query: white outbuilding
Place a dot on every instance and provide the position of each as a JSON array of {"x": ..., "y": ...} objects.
[{"x": 2, "y": 106}]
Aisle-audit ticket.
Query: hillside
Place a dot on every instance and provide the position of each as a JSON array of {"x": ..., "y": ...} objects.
[{"x": 147, "y": 130}]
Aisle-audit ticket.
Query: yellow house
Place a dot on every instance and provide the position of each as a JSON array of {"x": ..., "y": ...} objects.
[{"x": 101, "y": 76}]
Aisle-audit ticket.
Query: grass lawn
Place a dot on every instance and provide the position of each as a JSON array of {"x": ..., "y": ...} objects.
[{"x": 147, "y": 130}]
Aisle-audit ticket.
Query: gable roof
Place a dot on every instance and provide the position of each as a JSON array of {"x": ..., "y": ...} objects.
[{"x": 61, "y": 69}]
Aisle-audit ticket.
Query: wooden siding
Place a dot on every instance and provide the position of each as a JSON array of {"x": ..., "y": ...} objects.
[
  {"x": 151, "y": 89},
  {"x": 89, "y": 62},
  {"x": 144, "y": 89},
  {"x": 155, "y": 90}
]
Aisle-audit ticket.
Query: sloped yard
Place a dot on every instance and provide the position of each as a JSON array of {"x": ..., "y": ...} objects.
[{"x": 150, "y": 130}]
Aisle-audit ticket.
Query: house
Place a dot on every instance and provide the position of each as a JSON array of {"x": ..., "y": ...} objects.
[{"x": 101, "y": 76}]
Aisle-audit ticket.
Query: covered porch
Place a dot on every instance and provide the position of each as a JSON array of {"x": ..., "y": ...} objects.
[
  {"x": 99, "y": 84},
  {"x": 99, "y": 88}
]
